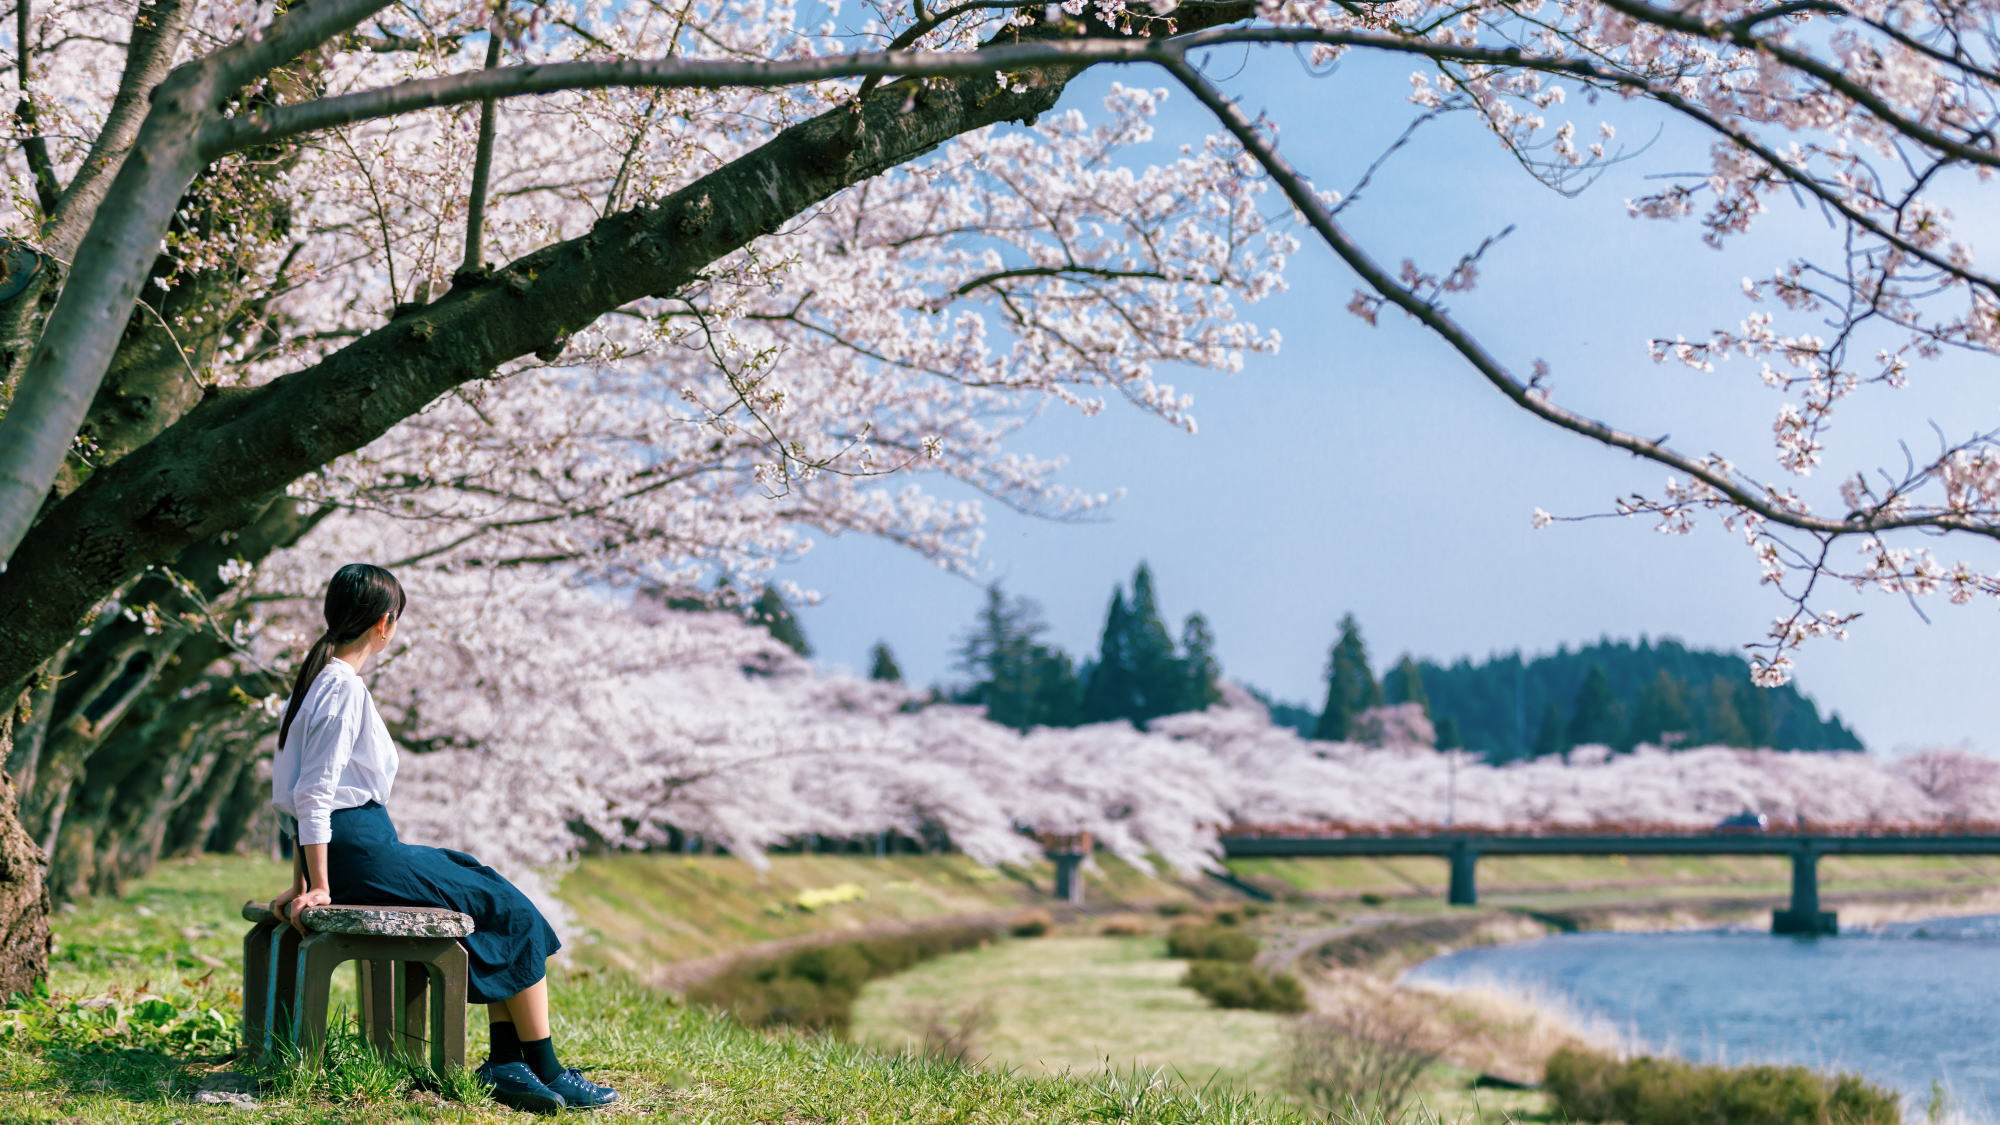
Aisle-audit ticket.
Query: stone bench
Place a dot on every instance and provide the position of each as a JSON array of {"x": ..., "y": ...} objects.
[{"x": 409, "y": 970}]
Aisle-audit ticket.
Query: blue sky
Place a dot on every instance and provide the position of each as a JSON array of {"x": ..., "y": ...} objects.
[{"x": 1367, "y": 470}]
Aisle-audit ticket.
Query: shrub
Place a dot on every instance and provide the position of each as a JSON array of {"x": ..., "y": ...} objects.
[
  {"x": 1231, "y": 984},
  {"x": 1227, "y": 916},
  {"x": 1198, "y": 942},
  {"x": 1123, "y": 925},
  {"x": 1373, "y": 898},
  {"x": 1035, "y": 923},
  {"x": 1173, "y": 909},
  {"x": 1588, "y": 1086},
  {"x": 1364, "y": 1057},
  {"x": 814, "y": 988},
  {"x": 841, "y": 968}
]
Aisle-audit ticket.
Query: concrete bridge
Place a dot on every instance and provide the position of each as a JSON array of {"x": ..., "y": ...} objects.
[{"x": 1463, "y": 850}]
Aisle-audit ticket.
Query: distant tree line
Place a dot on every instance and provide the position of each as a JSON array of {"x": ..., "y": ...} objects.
[
  {"x": 1612, "y": 693},
  {"x": 1508, "y": 707},
  {"x": 1620, "y": 694}
]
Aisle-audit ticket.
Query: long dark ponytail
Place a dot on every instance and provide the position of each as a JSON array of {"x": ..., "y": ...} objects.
[{"x": 357, "y": 596}]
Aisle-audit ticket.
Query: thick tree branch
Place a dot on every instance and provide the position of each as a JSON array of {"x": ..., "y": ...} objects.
[
  {"x": 210, "y": 470},
  {"x": 76, "y": 346}
]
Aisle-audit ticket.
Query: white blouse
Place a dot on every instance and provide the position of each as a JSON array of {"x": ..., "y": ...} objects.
[{"x": 338, "y": 754}]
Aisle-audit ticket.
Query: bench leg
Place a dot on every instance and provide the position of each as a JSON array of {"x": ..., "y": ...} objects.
[
  {"x": 412, "y": 1016},
  {"x": 448, "y": 1013},
  {"x": 283, "y": 1012},
  {"x": 317, "y": 957},
  {"x": 257, "y": 988},
  {"x": 432, "y": 1009},
  {"x": 376, "y": 983}
]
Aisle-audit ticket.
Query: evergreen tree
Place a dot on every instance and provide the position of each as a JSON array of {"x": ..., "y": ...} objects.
[
  {"x": 1498, "y": 702},
  {"x": 1405, "y": 684},
  {"x": 1350, "y": 686},
  {"x": 1722, "y": 724},
  {"x": 1054, "y": 690},
  {"x": 772, "y": 613},
  {"x": 1550, "y": 739},
  {"x": 1158, "y": 685},
  {"x": 1756, "y": 711},
  {"x": 1597, "y": 716},
  {"x": 1449, "y": 737},
  {"x": 1200, "y": 674},
  {"x": 1108, "y": 693},
  {"x": 1662, "y": 710},
  {"x": 882, "y": 664},
  {"x": 1002, "y": 654}
]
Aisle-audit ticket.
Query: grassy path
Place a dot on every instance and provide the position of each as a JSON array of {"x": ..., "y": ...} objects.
[{"x": 1079, "y": 1004}]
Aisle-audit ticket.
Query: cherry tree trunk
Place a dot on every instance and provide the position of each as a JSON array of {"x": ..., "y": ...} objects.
[{"x": 24, "y": 898}]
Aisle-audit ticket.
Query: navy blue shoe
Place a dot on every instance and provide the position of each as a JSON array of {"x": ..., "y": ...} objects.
[
  {"x": 579, "y": 1092},
  {"x": 514, "y": 1084}
]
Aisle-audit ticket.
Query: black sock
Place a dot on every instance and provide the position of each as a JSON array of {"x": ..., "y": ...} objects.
[
  {"x": 540, "y": 1055},
  {"x": 506, "y": 1047}
]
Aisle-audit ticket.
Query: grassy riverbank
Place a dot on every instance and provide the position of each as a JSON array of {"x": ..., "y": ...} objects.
[
  {"x": 142, "y": 1004},
  {"x": 143, "y": 991},
  {"x": 647, "y": 911}
]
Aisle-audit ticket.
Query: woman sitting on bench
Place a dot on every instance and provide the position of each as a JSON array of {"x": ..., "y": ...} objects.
[{"x": 330, "y": 779}]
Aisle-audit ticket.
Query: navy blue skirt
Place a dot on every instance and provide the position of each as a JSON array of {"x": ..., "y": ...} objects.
[{"x": 368, "y": 866}]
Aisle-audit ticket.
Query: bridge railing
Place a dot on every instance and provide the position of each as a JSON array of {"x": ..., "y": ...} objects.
[{"x": 1339, "y": 829}]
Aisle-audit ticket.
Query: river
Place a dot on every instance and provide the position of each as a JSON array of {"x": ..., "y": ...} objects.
[{"x": 1902, "y": 1004}]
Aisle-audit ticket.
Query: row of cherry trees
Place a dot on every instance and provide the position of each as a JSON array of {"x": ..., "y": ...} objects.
[{"x": 578, "y": 718}]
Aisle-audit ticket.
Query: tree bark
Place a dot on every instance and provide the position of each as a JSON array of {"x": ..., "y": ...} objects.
[{"x": 24, "y": 899}]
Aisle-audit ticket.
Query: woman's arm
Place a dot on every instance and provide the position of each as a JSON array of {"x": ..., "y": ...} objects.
[
  {"x": 311, "y": 860},
  {"x": 328, "y": 743},
  {"x": 298, "y": 886}
]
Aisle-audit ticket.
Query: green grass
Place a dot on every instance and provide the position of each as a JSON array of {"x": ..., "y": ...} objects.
[
  {"x": 117, "y": 1041},
  {"x": 1083, "y": 1004},
  {"x": 649, "y": 910},
  {"x": 143, "y": 996}
]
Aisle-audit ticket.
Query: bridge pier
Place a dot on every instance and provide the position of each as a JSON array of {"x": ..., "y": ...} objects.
[
  {"x": 1464, "y": 875},
  {"x": 1804, "y": 916},
  {"x": 1069, "y": 876}
]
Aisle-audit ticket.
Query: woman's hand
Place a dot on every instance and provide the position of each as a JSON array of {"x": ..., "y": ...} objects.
[
  {"x": 312, "y": 896},
  {"x": 291, "y": 892}
]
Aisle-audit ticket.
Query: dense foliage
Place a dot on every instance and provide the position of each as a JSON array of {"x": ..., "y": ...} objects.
[
  {"x": 814, "y": 988},
  {"x": 1138, "y": 673},
  {"x": 1237, "y": 984},
  {"x": 1588, "y": 1086},
  {"x": 1611, "y": 693},
  {"x": 1621, "y": 694},
  {"x": 1208, "y": 941}
]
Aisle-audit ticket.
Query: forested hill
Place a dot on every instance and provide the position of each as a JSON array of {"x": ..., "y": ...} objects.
[{"x": 1620, "y": 693}]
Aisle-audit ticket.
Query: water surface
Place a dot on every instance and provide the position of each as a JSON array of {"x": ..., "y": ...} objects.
[{"x": 1901, "y": 1005}]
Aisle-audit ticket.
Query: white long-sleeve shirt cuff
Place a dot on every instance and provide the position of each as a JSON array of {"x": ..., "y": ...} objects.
[{"x": 315, "y": 826}]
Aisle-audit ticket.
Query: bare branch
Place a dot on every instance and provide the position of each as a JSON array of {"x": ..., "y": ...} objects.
[
  {"x": 482, "y": 163},
  {"x": 33, "y": 144}
]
